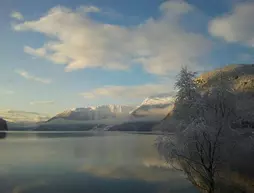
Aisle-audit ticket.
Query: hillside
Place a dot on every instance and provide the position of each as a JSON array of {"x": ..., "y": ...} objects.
[{"x": 239, "y": 77}]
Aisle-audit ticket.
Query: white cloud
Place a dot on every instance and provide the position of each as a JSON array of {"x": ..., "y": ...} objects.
[
  {"x": 91, "y": 9},
  {"x": 174, "y": 8},
  {"x": 89, "y": 95},
  {"x": 42, "y": 102},
  {"x": 28, "y": 76},
  {"x": 16, "y": 15},
  {"x": 236, "y": 26},
  {"x": 160, "y": 45},
  {"x": 7, "y": 92},
  {"x": 127, "y": 92},
  {"x": 40, "y": 52}
]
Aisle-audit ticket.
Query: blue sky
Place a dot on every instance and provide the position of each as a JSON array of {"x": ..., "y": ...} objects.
[{"x": 59, "y": 54}]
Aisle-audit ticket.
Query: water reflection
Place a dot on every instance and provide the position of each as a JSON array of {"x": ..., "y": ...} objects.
[{"x": 92, "y": 163}]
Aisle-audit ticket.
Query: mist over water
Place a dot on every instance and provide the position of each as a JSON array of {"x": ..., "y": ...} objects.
[{"x": 115, "y": 162}]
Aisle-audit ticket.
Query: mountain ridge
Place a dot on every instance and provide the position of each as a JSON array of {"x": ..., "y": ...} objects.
[{"x": 93, "y": 112}]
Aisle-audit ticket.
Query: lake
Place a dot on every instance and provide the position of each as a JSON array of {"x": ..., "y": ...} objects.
[{"x": 83, "y": 162}]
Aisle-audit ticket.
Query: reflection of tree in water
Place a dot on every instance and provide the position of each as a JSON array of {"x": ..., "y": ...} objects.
[{"x": 3, "y": 128}]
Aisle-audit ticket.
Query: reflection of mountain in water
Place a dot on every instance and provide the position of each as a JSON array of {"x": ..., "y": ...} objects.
[{"x": 3, "y": 128}]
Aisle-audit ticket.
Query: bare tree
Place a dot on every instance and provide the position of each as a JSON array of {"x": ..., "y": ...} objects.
[{"x": 204, "y": 136}]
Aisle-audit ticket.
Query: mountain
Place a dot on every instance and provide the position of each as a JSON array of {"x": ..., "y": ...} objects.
[
  {"x": 239, "y": 77},
  {"x": 156, "y": 107},
  {"x": 113, "y": 117},
  {"x": 22, "y": 117},
  {"x": 144, "y": 117},
  {"x": 97, "y": 113},
  {"x": 140, "y": 126}
]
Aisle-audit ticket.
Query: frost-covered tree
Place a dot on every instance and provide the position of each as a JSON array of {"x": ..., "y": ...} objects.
[
  {"x": 205, "y": 137},
  {"x": 186, "y": 97},
  {"x": 185, "y": 85}
]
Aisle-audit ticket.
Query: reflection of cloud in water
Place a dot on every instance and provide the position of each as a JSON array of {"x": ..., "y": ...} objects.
[
  {"x": 25, "y": 187},
  {"x": 148, "y": 170},
  {"x": 122, "y": 149},
  {"x": 157, "y": 163}
]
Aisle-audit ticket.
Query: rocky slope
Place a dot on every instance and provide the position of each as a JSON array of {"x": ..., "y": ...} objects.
[{"x": 239, "y": 77}]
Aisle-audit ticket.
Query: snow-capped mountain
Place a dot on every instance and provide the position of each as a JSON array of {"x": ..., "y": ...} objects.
[
  {"x": 154, "y": 106},
  {"x": 160, "y": 99},
  {"x": 23, "y": 117},
  {"x": 94, "y": 113}
]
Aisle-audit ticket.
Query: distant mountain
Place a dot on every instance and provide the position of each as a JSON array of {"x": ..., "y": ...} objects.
[
  {"x": 103, "y": 112},
  {"x": 139, "y": 126},
  {"x": 157, "y": 106},
  {"x": 114, "y": 117},
  {"x": 153, "y": 108},
  {"x": 22, "y": 117}
]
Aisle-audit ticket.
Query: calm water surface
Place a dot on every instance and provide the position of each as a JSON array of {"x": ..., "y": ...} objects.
[{"x": 85, "y": 163}]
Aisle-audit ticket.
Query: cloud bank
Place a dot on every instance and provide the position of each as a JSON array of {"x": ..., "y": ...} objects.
[
  {"x": 29, "y": 76},
  {"x": 76, "y": 40},
  {"x": 42, "y": 102},
  {"x": 137, "y": 91},
  {"x": 236, "y": 26}
]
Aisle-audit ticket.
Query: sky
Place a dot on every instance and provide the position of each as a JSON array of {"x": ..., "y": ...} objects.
[{"x": 60, "y": 54}]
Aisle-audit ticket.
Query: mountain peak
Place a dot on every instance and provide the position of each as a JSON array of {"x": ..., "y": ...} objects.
[
  {"x": 154, "y": 106},
  {"x": 164, "y": 98}
]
